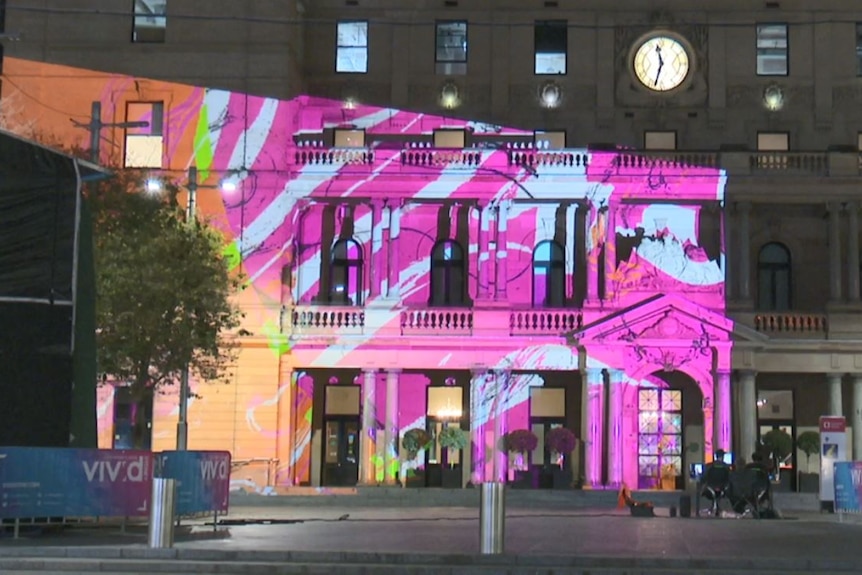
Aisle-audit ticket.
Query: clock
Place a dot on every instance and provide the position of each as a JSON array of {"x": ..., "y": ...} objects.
[{"x": 661, "y": 62}]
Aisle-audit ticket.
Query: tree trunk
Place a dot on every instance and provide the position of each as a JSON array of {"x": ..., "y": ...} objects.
[{"x": 142, "y": 419}]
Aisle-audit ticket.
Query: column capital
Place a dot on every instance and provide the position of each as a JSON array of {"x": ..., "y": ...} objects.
[
  {"x": 377, "y": 203},
  {"x": 746, "y": 373},
  {"x": 370, "y": 370},
  {"x": 393, "y": 370},
  {"x": 833, "y": 376},
  {"x": 616, "y": 375}
]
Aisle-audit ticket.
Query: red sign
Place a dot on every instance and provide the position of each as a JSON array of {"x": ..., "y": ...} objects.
[{"x": 833, "y": 424}]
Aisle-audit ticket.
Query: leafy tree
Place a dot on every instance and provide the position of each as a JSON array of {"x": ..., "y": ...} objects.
[
  {"x": 163, "y": 291},
  {"x": 809, "y": 443}
]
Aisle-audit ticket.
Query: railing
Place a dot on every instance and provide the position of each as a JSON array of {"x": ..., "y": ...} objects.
[
  {"x": 328, "y": 319},
  {"x": 790, "y": 323},
  {"x": 307, "y": 156},
  {"x": 556, "y": 158},
  {"x": 437, "y": 322},
  {"x": 799, "y": 162},
  {"x": 548, "y": 322},
  {"x": 426, "y": 157},
  {"x": 666, "y": 160}
]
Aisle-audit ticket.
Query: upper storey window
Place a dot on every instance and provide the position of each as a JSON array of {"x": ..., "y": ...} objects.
[
  {"x": 150, "y": 21},
  {"x": 346, "y": 273},
  {"x": 351, "y": 50},
  {"x": 549, "y": 275},
  {"x": 772, "y": 47},
  {"x": 551, "y": 46},
  {"x": 447, "y": 274},
  {"x": 451, "y": 47},
  {"x": 773, "y": 277},
  {"x": 859, "y": 49}
]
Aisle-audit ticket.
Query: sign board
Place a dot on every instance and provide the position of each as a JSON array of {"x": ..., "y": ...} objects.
[
  {"x": 203, "y": 479},
  {"x": 61, "y": 482},
  {"x": 848, "y": 487},
  {"x": 833, "y": 448}
]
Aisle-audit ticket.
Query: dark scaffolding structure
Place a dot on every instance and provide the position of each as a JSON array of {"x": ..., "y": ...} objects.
[{"x": 47, "y": 298}]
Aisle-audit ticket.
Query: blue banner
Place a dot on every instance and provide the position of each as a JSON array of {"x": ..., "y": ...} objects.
[
  {"x": 61, "y": 482},
  {"x": 203, "y": 479},
  {"x": 848, "y": 487}
]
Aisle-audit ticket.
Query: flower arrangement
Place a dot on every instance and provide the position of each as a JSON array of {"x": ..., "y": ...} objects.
[
  {"x": 520, "y": 441},
  {"x": 561, "y": 440},
  {"x": 452, "y": 438},
  {"x": 414, "y": 441}
]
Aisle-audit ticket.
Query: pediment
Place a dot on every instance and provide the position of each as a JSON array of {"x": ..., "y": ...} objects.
[{"x": 668, "y": 318}]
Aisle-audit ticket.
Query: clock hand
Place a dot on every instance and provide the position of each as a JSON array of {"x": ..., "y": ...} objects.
[{"x": 660, "y": 65}]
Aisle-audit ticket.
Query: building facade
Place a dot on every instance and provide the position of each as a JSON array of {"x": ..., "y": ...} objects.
[{"x": 586, "y": 209}]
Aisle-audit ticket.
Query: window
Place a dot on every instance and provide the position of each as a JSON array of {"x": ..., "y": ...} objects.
[
  {"x": 349, "y": 138},
  {"x": 773, "y": 276},
  {"x": 144, "y": 144},
  {"x": 150, "y": 21},
  {"x": 859, "y": 49},
  {"x": 772, "y": 50},
  {"x": 550, "y": 140},
  {"x": 549, "y": 275},
  {"x": 660, "y": 140},
  {"x": 551, "y": 46},
  {"x": 450, "y": 139},
  {"x": 451, "y": 48},
  {"x": 351, "y": 52},
  {"x": 773, "y": 141},
  {"x": 447, "y": 273},
  {"x": 346, "y": 273},
  {"x": 2, "y": 16}
]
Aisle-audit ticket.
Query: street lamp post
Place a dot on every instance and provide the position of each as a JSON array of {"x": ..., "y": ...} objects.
[{"x": 183, "y": 420}]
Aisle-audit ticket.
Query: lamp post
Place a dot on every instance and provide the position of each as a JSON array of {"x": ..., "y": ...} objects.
[{"x": 183, "y": 420}]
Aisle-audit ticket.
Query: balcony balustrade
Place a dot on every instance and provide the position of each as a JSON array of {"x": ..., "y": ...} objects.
[
  {"x": 812, "y": 325},
  {"x": 333, "y": 156},
  {"x": 816, "y": 164},
  {"x": 326, "y": 320},
  {"x": 437, "y": 322},
  {"x": 667, "y": 160},
  {"x": 544, "y": 322},
  {"x": 431, "y": 157},
  {"x": 560, "y": 158}
]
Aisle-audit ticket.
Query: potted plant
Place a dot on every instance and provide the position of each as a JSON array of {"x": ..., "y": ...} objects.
[
  {"x": 414, "y": 441},
  {"x": 561, "y": 441},
  {"x": 452, "y": 439},
  {"x": 809, "y": 443},
  {"x": 780, "y": 445},
  {"x": 518, "y": 443}
]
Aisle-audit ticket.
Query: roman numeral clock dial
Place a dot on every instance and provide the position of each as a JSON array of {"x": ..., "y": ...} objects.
[{"x": 660, "y": 63}]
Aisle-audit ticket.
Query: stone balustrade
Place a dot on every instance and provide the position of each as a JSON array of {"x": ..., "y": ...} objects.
[
  {"x": 321, "y": 320},
  {"x": 544, "y": 322},
  {"x": 796, "y": 323},
  {"x": 439, "y": 321},
  {"x": 333, "y": 156},
  {"x": 426, "y": 157}
]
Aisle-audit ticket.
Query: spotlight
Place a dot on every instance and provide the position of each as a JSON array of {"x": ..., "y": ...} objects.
[
  {"x": 550, "y": 95},
  {"x": 449, "y": 96},
  {"x": 773, "y": 98},
  {"x": 154, "y": 186}
]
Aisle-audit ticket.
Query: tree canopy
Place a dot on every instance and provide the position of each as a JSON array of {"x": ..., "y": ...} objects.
[{"x": 163, "y": 288}]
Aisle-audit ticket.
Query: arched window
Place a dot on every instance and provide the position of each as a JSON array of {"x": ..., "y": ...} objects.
[
  {"x": 447, "y": 273},
  {"x": 346, "y": 273},
  {"x": 773, "y": 277},
  {"x": 549, "y": 275}
]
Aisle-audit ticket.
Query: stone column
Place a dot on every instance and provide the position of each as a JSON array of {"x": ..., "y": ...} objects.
[
  {"x": 747, "y": 414},
  {"x": 285, "y": 418},
  {"x": 500, "y": 457},
  {"x": 743, "y": 270},
  {"x": 835, "y": 404},
  {"x": 367, "y": 445},
  {"x": 299, "y": 245},
  {"x": 479, "y": 410},
  {"x": 595, "y": 406},
  {"x": 390, "y": 458},
  {"x": 502, "y": 254},
  {"x": 393, "y": 287},
  {"x": 856, "y": 417},
  {"x": 610, "y": 254},
  {"x": 835, "y": 252},
  {"x": 376, "y": 269},
  {"x": 853, "y": 252},
  {"x": 616, "y": 385},
  {"x": 482, "y": 289},
  {"x": 722, "y": 419}
]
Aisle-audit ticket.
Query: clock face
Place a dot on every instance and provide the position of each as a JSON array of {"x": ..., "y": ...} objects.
[{"x": 661, "y": 63}]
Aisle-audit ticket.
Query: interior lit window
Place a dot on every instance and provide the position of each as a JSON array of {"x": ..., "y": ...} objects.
[
  {"x": 772, "y": 50},
  {"x": 150, "y": 21},
  {"x": 551, "y": 46},
  {"x": 773, "y": 142},
  {"x": 451, "y": 47},
  {"x": 145, "y": 144},
  {"x": 349, "y": 138},
  {"x": 551, "y": 140},
  {"x": 660, "y": 140},
  {"x": 351, "y": 53}
]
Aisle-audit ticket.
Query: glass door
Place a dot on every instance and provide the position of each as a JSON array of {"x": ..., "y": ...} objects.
[
  {"x": 341, "y": 464},
  {"x": 659, "y": 438}
]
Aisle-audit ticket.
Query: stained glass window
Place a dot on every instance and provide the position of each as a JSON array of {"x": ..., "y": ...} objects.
[{"x": 660, "y": 442}]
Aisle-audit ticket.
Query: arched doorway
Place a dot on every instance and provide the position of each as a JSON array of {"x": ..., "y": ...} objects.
[{"x": 670, "y": 429}]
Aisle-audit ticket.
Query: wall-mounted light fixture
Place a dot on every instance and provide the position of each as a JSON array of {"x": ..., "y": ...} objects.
[
  {"x": 550, "y": 94},
  {"x": 773, "y": 98},
  {"x": 450, "y": 96}
]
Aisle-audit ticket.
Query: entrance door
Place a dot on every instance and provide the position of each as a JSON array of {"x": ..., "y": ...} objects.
[
  {"x": 341, "y": 464},
  {"x": 659, "y": 438}
]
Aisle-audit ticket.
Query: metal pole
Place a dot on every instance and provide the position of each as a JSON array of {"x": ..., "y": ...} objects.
[
  {"x": 95, "y": 131},
  {"x": 162, "y": 511},
  {"x": 492, "y": 518},
  {"x": 183, "y": 420}
]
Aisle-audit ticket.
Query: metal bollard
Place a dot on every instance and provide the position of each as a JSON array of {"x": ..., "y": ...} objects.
[
  {"x": 162, "y": 510},
  {"x": 492, "y": 518}
]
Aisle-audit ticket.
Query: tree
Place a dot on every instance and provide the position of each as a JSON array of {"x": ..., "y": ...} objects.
[
  {"x": 163, "y": 291},
  {"x": 809, "y": 443}
]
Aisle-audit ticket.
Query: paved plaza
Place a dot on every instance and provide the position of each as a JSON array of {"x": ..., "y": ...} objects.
[{"x": 286, "y": 539}]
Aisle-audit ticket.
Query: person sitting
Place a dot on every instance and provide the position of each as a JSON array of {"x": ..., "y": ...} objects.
[
  {"x": 757, "y": 485},
  {"x": 716, "y": 481}
]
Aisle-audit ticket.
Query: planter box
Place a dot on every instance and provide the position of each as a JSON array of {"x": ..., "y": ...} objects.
[
  {"x": 809, "y": 483},
  {"x": 453, "y": 478},
  {"x": 415, "y": 478},
  {"x": 562, "y": 478},
  {"x": 523, "y": 480}
]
